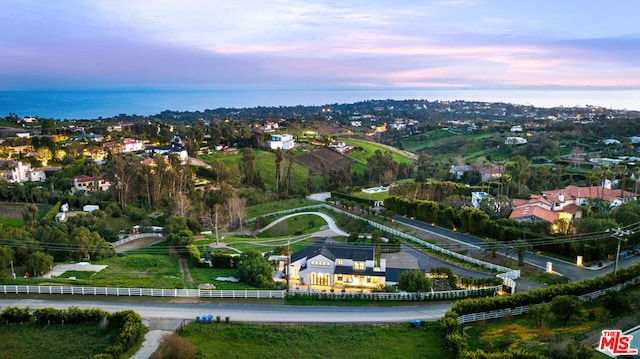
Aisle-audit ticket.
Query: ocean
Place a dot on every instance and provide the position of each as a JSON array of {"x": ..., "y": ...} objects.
[{"x": 92, "y": 104}]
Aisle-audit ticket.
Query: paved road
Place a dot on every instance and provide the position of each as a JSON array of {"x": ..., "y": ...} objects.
[
  {"x": 567, "y": 269},
  {"x": 250, "y": 312}
]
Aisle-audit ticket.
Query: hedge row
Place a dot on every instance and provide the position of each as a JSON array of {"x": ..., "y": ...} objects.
[
  {"x": 422, "y": 297},
  {"x": 544, "y": 295},
  {"x": 131, "y": 333},
  {"x": 53, "y": 211}
]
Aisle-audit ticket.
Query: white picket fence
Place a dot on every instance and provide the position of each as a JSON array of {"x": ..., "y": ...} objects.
[
  {"x": 142, "y": 292},
  {"x": 508, "y": 275}
]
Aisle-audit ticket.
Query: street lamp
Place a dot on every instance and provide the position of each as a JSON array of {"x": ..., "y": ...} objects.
[{"x": 620, "y": 234}]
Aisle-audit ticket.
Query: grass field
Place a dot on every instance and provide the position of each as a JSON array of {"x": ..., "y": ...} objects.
[
  {"x": 57, "y": 341},
  {"x": 522, "y": 332},
  {"x": 242, "y": 340},
  {"x": 439, "y": 144},
  {"x": 369, "y": 148},
  {"x": 266, "y": 208},
  {"x": 11, "y": 222},
  {"x": 265, "y": 165}
]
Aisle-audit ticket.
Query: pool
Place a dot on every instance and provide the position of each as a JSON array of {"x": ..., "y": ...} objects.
[{"x": 375, "y": 189}]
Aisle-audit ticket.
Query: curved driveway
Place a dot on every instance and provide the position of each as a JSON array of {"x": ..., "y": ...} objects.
[{"x": 264, "y": 313}]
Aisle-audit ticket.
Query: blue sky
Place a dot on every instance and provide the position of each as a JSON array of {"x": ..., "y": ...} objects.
[{"x": 192, "y": 44}]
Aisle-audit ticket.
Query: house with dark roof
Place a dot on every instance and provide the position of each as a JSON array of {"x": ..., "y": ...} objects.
[{"x": 327, "y": 264}]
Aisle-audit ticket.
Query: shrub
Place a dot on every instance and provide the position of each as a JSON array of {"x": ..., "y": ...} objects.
[
  {"x": 16, "y": 315},
  {"x": 616, "y": 302},
  {"x": 173, "y": 346}
]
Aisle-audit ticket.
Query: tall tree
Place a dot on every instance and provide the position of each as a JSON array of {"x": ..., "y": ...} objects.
[
  {"x": 44, "y": 155},
  {"x": 248, "y": 156},
  {"x": 279, "y": 167},
  {"x": 521, "y": 172}
]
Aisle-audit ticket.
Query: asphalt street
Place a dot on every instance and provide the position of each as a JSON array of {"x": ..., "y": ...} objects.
[
  {"x": 564, "y": 268},
  {"x": 250, "y": 312}
]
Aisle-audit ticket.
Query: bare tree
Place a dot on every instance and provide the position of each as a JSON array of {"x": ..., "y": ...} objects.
[{"x": 236, "y": 206}]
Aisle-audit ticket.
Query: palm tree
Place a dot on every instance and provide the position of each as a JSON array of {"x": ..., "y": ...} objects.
[{"x": 520, "y": 247}]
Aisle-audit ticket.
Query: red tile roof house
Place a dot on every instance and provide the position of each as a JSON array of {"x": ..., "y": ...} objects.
[
  {"x": 565, "y": 203},
  {"x": 89, "y": 184}
]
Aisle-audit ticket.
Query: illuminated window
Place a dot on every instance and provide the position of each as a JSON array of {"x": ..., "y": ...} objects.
[
  {"x": 339, "y": 261},
  {"x": 358, "y": 265}
]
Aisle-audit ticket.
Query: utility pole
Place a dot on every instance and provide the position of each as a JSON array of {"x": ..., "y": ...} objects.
[
  {"x": 13, "y": 273},
  {"x": 288, "y": 264},
  {"x": 620, "y": 234}
]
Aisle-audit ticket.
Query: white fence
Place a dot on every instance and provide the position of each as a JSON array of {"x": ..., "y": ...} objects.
[
  {"x": 495, "y": 314},
  {"x": 508, "y": 275},
  {"x": 142, "y": 292},
  {"x": 136, "y": 236}
]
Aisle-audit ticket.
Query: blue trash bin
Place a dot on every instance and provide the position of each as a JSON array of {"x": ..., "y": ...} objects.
[{"x": 197, "y": 319}]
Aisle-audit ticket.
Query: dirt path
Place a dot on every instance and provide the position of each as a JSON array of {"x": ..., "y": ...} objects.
[{"x": 184, "y": 267}]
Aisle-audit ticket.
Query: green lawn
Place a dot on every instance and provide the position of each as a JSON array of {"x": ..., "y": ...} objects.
[
  {"x": 242, "y": 340},
  {"x": 265, "y": 165},
  {"x": 139, "y": 270},
  {"x": 11, "y": 222},
  {"x": 80, "y": 341},
  {"x": 271, "y": 207},
  {"x": 369, "y": 148},
  {"x": 297, "y": 225}
]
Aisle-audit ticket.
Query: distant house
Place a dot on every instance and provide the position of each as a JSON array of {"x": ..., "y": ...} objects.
[
  {"x": 458, "y": 171},
  {"x": 565, "y": 203},
  {"x": 340, "y": 146},
  {"x": 477, "y": 198},
  {"x": 330, "y": 265},
  {"x": 182, "y": 154},
  {"x": 19, "y": 172},
  {"x": 491, "y": 173},
  {"x": 283, "y": 141},
  {"x": 611, "y": 141},
  {"x": 517, "y": 128},
  {"x": 89, "y": 184},
  {"x": 515, "y": 141},
  {"x": 90, "y": 208}
]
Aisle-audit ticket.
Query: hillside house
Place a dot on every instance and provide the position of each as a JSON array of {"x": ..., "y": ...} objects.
[
  {"x": 283, "y": 141},
  {"x": 492, "y": 173},
  {"x": 19, "y": 172},
  {"x": 565, "y": 203},
  {"x": 515, "y": 141},
  {"x": 458, "y": 171},
  {"x": 89, "y": 184},
  {"x": 330, "y": 265}
]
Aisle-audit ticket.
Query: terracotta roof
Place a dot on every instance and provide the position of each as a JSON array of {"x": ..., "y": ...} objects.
[
  {"x": 83, "y": 178},
  {"x": 572, "y": 193},
  {"x": 530, "y": 211},
  {"x": 571, "y": 208}
]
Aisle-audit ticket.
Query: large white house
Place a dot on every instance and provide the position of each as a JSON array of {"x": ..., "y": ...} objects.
[
  {"x": 18, "y": 172},
  {"x": 330, "y": 265},
  {"x": 284, "y": 141}
]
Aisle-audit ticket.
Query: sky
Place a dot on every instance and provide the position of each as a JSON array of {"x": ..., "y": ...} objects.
[{"x": 322, "y": 44}]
